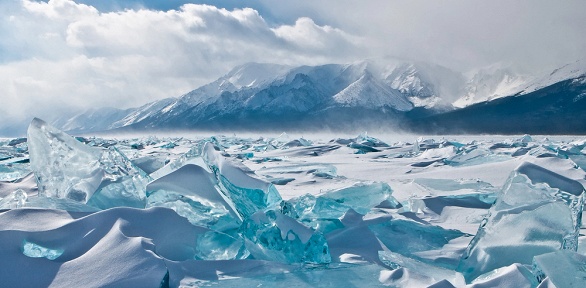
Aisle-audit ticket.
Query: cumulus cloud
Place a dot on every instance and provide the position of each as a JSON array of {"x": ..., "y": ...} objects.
[
  {"x": 59, "y": 56},
  {"x": 66, "y": 55}
]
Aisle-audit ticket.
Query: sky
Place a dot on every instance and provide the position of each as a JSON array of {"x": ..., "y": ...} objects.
[{"x": 60, "y": 56}]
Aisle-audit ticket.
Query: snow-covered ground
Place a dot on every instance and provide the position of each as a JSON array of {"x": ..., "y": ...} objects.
[{"x": 291, "y": 210}]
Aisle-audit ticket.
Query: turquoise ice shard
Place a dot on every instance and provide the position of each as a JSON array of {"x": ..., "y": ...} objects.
[
  {"x": 213, "y": 245},
  {"x": 563, "y": 268},
  {"x": 248, "y": 193},
  {"x": 33, "y": 250},
  {"x": 273, "y": 236},
  {"x": 537, "y": 212},
  {"x": 363, "y": 196},
  {"x": 67, "y": 168},
  {"x": 409, "y": 237},
  {"x": 322, "y": 212},
  {"x": 193, "y": 193}
]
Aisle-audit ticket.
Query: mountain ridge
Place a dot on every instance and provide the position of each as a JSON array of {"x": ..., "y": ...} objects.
[{"x": 264, "y": 95}]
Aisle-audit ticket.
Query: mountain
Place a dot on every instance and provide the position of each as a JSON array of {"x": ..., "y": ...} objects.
[
  {"x": 497, "y": 81},
  {"x": 542, "y": 107},
  {"x": 491, "y": 83},
  {"x": 263, "y": 95},
  {"x": 107, "y": 118},
  {"x": 372, "y": 93}
]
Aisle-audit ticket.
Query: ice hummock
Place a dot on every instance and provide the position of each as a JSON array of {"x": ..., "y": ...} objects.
[
  {"x": 67, "y": 168},
  {"x": 273, "y": 236},
  {"x": 193, "y": 193},
  {"x": 322, "y": 212},
  {"x": 248, "y": 193},
  {"x": 440, "y": 203},
  {"x": 537, "y": 211}
]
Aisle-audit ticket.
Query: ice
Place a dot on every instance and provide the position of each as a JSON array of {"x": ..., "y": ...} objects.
[
  {"x": 273, "y": 236},
  {"x": 538, "y": 211},
  {"x": 214, "y": 245},
  {"x": 563, "y": 268},
  {"x": 192, "y": 156},
  {"x": 193, "y": 193},
  {"x": 64, "y": 167},
  {"x": 149, "y": 164},
  {"x": 15, "y": 200},
  {"x": 14, "y": 161},
  {"x": 362, "y": 196},
  {"x": 33, "y": 250},
  {"x": 322, "y": 212},
  {"x": 463, "y": 212},
  {"x": 514, "y": 275},
  {"x": 326, "y": 171},
  {"x": 474, "y": 156},
  {"x": 67, "y": 168},
  {"x": 309, "y": 208},
  {"x": 249, "y": 194},
  {"x": 13, "y": 171},
  {"x": 354, "y": 242},
  {"x": 409, "y": 237},
  {"x": 123, "y": 184},
  {"x": 201, "y": 227},
  {"x": 363, "y": 143},
  {"x": 455, "y": 187},
  {"x": 438, "y": 153}
]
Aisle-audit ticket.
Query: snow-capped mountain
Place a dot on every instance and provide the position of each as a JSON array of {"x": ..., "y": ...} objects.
[
  {"x": 425, "y": 85},
  {"x": 372, "y": 93},
  {"x": 261, "y": 95},
  {"x": 497, "y": 81},
  {"x": 269, "y": 90},
  {"x": 491, "y": 83},
  {"x": 553, "y": 104}
]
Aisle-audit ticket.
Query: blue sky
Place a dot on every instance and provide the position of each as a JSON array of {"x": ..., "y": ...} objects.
[{"x": 58, "y": 56}]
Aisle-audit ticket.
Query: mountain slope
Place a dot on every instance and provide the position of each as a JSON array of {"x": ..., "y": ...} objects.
[
  {"x": 272, "y": 94},
  {"x": 556, "y": 109},
  {"x": 360, "y": 95}
]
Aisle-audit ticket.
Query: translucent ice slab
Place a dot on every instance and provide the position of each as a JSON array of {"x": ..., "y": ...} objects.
[
  {"x": 193, "y": 193},
  {"x": 37, "y": 251},
  {"x": 273, "y": 236},
  {"x": 409, "y": 237},
  {"x": 362, "y": 196},
  {"x": 67, "y": 168},
  {"x": 564, "y": 268},
  {"x": 214, "y": 245},
  {"x": 322, "y": 212},
  {"x": 537, "y": 212},
  {"x": 248, "y": 193}
]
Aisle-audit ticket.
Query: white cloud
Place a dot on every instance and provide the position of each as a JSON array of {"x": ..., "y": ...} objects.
[
  {"x": 60, "y": 55},
  {"x": 75, "y": 56},
  {"x": 462, "y": 34}
]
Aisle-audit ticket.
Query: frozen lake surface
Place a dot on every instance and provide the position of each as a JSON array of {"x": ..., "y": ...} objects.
[{"x": 292, "y": 210}]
